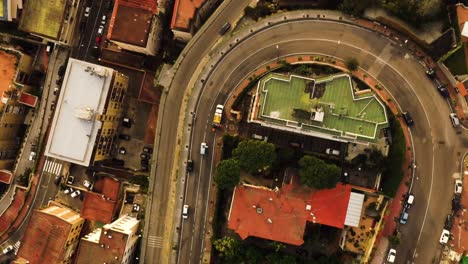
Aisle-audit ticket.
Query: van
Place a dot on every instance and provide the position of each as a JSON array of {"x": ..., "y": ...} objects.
[
  {"x": 203, "y": 148},
  {"x": 455, "y": 120},
  {"x": 260, "y": 137}
]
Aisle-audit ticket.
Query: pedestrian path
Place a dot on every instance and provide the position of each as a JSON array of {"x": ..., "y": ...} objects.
[
  {"x": 53, "y": 167},
  {"x": 155, "y": 242}
]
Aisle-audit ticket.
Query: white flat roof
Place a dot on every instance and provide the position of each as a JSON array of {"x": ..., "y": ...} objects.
[
  {"x": 465, "y": 29},
  {"x": 353, "y": 214},
  {"x": 72, "y": 137}
]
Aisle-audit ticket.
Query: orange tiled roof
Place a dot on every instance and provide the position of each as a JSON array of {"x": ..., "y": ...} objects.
[
  {"x": 281, "y": 215},
  {"x": 184, "y": 11},
  {"x": 5, "y": 176},
  {"x": 97, "y": 208},
  {"x": 462, "y": 15}
]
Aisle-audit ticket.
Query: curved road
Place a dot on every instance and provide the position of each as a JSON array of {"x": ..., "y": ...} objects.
[{"x": 433, "y": 136}]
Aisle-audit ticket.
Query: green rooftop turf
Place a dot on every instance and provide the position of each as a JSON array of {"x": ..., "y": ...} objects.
[
  {"x": 43, "y": 17},
  {"x": 363, "y": 116}
]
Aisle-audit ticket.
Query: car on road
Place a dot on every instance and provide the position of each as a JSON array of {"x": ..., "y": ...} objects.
[
  {"x": 124, "y": 137},
  {"x": 189, "y": 165},
  {"x": 86, "y": 11},
  {"x": 391, "y": 255},
  {"x": 32, "y": 156},
  {"x": 430, "y": 73},
  {"x": 98, "y": 41},
  {"x": 444, "y": 237},
  {"x": 56, "y": 89},
  {"x": 144, "y": 168},
  {"x": 443, "y": 91},
  {"x": 69, "y": 190},
  {"x": 103, "y": 19},
  {"x": 7, "y": 249},
  {"x": 458, "y": 186},
  {"x": 59, "y": 80},
  {"x": 70, "y": 179},
  {"x": 108, "y": 5},
  {"x": 100, "y": 30},
  {"x": 185, "y": 211},
  {"x": 407, "y": 117},
  {"x": 136, "y": 208},
  {"x": 75, "y": 193},
  {"x": 144, "y": 156},
  {"x": 409, "y": 201},
  {"x": 224, "y": 28},
  {"x": 87, "y": 184},
  {"x": 50, "y": 47},
  {"x": 52, "y": 106},
  {"x": 454, "y": 119},
  {"x": 333, "y": 152},
  {"x": 57, "y": 179},
  {"x": 61, "y": 70},
  {"x": 404, "y": 217},
  {"x": 203, "y": 148}
]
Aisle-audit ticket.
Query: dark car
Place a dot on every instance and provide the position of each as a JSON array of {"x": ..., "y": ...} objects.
[
  {"x": 52, "y": 106},
  {"x": 144, "y": 162},
  {"x": 59, "y": 80},
  {"x": 127, "y": 122},
  {"x": 94, "y": 53},
  {"x": 61, "y": 70},
  {"x": 404, "y": 217},
  {"x": 148, "y": 150},
  {"x": 124, "y": 136},
  {"x": 98, "y": 41},
  {"x": 108, "y": 5},
  {"x": 144, "y": 156},
  {"x": 70, "y": 179},
  {"x": 448, "y": 222},
  {"x": 118, "y": 162},
  {"x": 189, "y": 165},
  {"x": 408, "y": 120},
  {"x": 57, "y": 179},
  {"x": 144, "y": 168},
  {"x": 430, "y": 73},
  {"x": 443, "y": 91},
  {"x": 224, "y": 28}
]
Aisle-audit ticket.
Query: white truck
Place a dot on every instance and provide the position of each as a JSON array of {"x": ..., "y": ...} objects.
[{"x": 218, "y": 116}]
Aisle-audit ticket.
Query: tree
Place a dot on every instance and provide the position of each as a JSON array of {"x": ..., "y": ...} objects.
[
  {"x": 255, "y": 156},
  {"x": 228, "y": 247},
  {"x": 355, "y": 8},
  {"x": 227, "y": 174},
  {"x": 316, "y": 173},
  {"x": 352, "y": 64}
]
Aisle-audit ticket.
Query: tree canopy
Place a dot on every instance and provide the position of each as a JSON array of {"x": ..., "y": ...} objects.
[
  {"x": 255, "y": 156},
  {"x": 317, "y": 173},
  {"x": 227, "y": 174}
]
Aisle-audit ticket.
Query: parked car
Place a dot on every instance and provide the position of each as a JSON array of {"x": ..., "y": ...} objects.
[
  {"x": 57, "y": 179},
  {"x": 7, "y": 249},
  {"x": 334, "y": 152},
  {"x": 430, "y": 73},
  {"x": 391, "y": 255},
  {"x": 444, "y": 237},
  {"x": 61, "y": 70},
  {"x": 75, "y": 193},
  {"x": 118, "y": 162},
  {"x": 448, "y": 222},
  {"x": 69, "y": 190},
  {"x": 124, "y": 136},
  {"x": 454, "y": 119},
  {"x": 108, "y": 5},
  {"x": 136, "y": 208},
  {"x": 408, "y": 120},
  {"x": 409, "y": 201},
  {"x": 98, "y": 41},
  {"x": 189, "y": 165},
  {"x": 127, "y": 122},
  {"x": 404, "y": 217},
  {"x": 144, "y": 168},
  {"x": 52, "y": 106},
  {"x": 87, "y": 11},
  {"x": 458, "y": 186},
  {"x": 70, "y": 179},
  {"x": 50, "y": 47},
  {"x": 103, "y": 19},
  {"x": 443, "y": 91},
  {"x": 122, "y": 151},
  {"x": 59, "y": 80},
  {"x": 56, "y": 89},
  {"x": 148, "y": 150},
  {"x": 100, "y": 30},
  {"x": 185, "y": 211},
  {"x": 144, "y": 156},
  {"x": 144, "y": 162},
  {"x": 32, "y": 156},
  {"x": 87, "y": 184}
]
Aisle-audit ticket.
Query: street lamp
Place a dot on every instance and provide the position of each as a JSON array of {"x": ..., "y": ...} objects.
[{"x": 277, "y": 52}]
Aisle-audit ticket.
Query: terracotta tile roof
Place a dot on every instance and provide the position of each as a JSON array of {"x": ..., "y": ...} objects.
[
  {"x": 184, "y": 11},
  {"x": 97, "y": 208},
  {"x": 113, "y": 248},
  {"x": 130, "y": 23},
  {"x": 462, "y": 15},
  {"x": 45, "y": 237},
  {"x": 281, "y": 215},
  {"x": 109, "y": 187},
  {"x": 6, "y": 176}
]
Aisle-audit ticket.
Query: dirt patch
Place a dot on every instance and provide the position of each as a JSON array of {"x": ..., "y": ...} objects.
[{"x": 7, "y": 70}]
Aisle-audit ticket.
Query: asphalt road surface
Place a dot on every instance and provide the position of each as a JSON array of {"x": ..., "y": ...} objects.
[{"x": 438, "y": 147}]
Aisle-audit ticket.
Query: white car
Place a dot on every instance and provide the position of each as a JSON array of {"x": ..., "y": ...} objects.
[
  {"x": 75, "y": 193},
  {"x": 391, "y": 255},
  {"x": 185, "y": 211},
  {"x": 32, "y": 156},
  {"x": 203, "y": 148},
  {"x": 409, "y": 201},
  {"x": 458, "y": 186},
  {"x": 444, "y": 237},
  {"x": 87, "y": 184},
  {"x": 330, "y": 151},
  {"x": 7, "y": 249},
  {"x": 86, "y": 11}
]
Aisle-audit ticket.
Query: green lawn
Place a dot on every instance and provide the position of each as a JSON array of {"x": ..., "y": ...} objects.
[
  {"x": 361, "y": 115},
  {"x": 457, "y": 62}
]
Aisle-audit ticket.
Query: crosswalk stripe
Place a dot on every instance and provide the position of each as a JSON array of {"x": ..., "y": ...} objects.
[
  {"x": 59, "y": 169},
  {"x": 46, "y": 167},
  {"x": 155, "y": 241}
]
